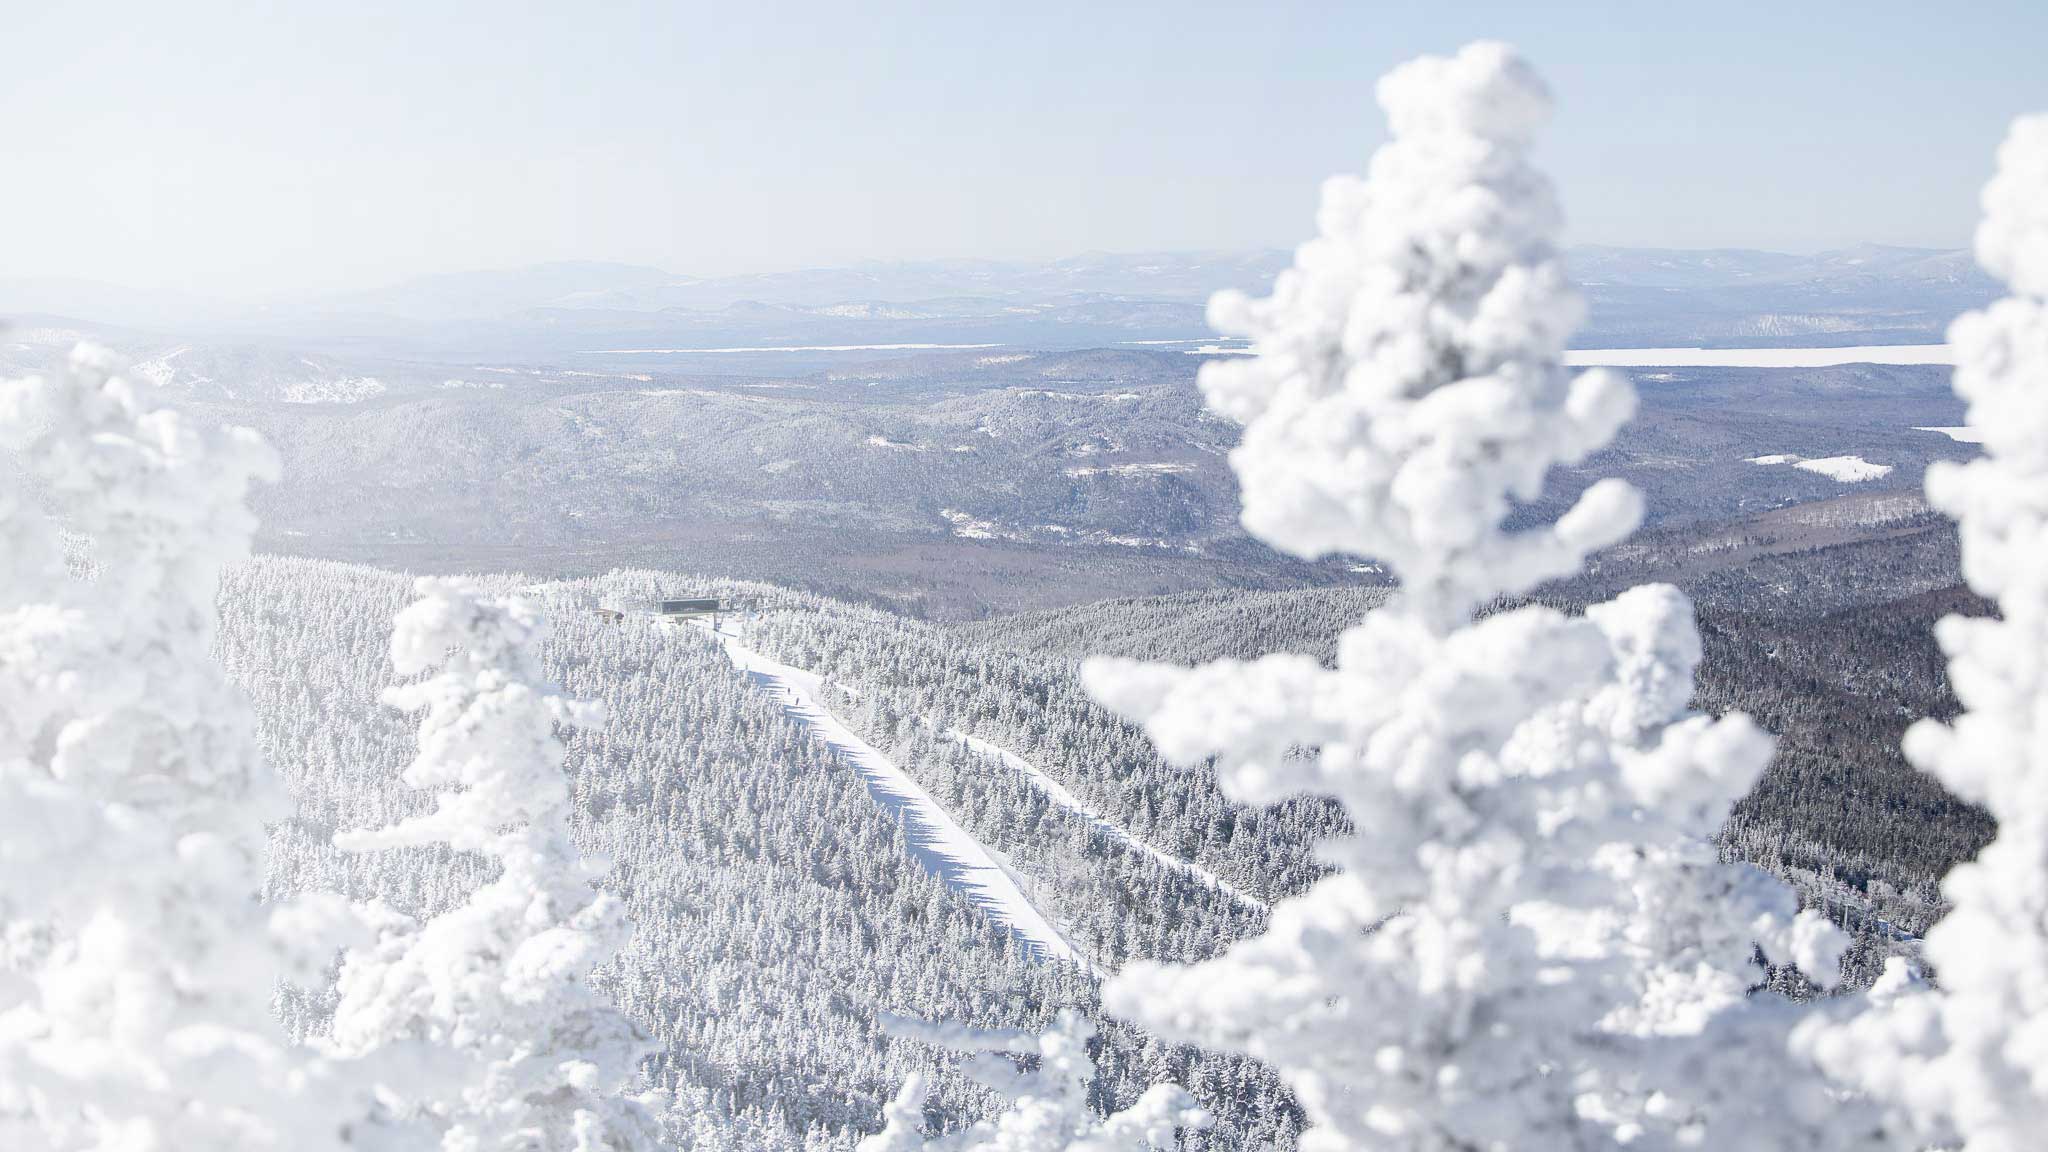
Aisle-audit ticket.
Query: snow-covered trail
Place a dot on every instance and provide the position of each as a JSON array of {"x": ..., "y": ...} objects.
[
  {"x": 1058, "y": 794},
  {"x": 937, "y": 841}
]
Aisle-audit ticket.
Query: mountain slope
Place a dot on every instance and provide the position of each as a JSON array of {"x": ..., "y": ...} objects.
[{"x": 779, "y": 911}]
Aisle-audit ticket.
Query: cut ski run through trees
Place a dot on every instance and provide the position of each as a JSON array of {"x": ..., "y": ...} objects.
[
  {"x": 1059, "y": 794},
  {"x": 938, "y": 841}
]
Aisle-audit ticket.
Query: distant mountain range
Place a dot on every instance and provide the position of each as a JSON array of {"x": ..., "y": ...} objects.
[{"x": 558, "y": 313}]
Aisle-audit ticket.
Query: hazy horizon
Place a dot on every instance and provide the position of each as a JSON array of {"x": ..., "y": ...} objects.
[{"x": 208, "y": 152}]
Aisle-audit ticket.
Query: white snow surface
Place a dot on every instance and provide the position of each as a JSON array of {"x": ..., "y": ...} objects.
[
  {"x": 938, "y": 842},
  {"x": 1758, "y": 357},
  {"x": 1058, "y": 794},
  {"x": 1847, "y": 469},
  {"x": 1961, "y": 434}
]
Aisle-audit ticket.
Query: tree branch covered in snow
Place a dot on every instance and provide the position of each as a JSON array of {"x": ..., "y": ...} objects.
[
  {"x": 1408, "y": 386},
  {"x": 1049, "y": 1109},
  {"x": 501, "y": 982},
  {"x": 138, "y": 967},
  {"x": 1968, "y": 1062},
  {"x": 1529, "y": 942}
]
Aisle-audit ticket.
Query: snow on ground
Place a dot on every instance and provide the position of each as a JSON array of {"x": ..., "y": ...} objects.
[
  {"x": 1759, "y": 357},
  {"x": 1058, "y": 794},
  {"x": 1961, "y": 435},
  {"x": 1164, "y": 468},
  {"x": 939, "y": 844},
  {"x": 1847, "y": 469},
  {"x": 967, "y": 527}
]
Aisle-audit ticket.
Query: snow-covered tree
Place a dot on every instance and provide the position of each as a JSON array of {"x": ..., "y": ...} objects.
[
  {"x": 502, "y": 981},
  {"x": 1529, "y": 942},
  {"x": 138, "y": 967},
  {"x": 1968, "y": 1062},
  {"x": 1049, "y": 1109}
]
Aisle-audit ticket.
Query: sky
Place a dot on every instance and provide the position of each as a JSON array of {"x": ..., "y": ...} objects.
[{"x": 249, "y": 151}]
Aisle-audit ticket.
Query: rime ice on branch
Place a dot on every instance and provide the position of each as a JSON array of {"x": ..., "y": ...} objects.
[
  {"x": 138, "y": 967},
  {"x": 502, "y": 981},
  {"x": 1968, "y": 1062},
  {"x": 1407, "y": 384},
  {"x": 1530, "y": 943}
]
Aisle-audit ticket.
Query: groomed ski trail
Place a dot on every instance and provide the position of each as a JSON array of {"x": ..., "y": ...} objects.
[
  {"x": 938, "y": 842},
  {"x": 1058, "y": 794}
]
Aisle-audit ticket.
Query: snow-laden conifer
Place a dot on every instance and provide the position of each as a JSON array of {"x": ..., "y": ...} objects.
[
  {"x": 1967, "y": 1062},
  {"x": 1530, "y": 943},
  {"x": 541, "y": 1060},
  {"x": 1049, "y": 1109},
  {"x": 138, "y": 967}
]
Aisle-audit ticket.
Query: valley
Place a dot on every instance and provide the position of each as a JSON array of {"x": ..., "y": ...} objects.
[{"x": 878, "y": 789}]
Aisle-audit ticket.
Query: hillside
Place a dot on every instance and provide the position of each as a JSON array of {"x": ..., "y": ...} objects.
[{"x": 779, "y": 909}]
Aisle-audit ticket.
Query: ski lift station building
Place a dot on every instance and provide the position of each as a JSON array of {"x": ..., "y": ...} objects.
[{"x": 673, "y": 611}]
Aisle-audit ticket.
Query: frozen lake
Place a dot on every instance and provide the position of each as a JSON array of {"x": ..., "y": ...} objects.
[{"x": 1759, "y": 357}]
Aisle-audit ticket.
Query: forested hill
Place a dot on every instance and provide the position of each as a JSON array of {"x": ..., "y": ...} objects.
[
  {"x": 781, "y": 912},
  {"x": 1825, "y": 638},
  {"x": 779, "y": 915}
]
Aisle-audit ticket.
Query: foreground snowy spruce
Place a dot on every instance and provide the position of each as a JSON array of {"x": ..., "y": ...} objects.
[
  {"x": 139, "y": 966},
  {"x": 1967, "y": 1063},
  {"x": 1530, "y": 943},
  {"x": 519, "y": 1051}
]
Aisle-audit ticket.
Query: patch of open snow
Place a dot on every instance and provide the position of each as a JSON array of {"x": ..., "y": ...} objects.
[
  {"x": 708, "y": 392},
  {"x": 968, "y": 527},
  {"x": 341, "y": 390},
  {"x": 1847, "y": 469},
  {"x": 1961, "y": 435},
  {"x": 899, "y": 445},
  {"x": 1161, "y": 468},
  {"x": 936, "y": 840},
  {"x": 777, "y": 467},
  {"x": 1058, "y": 794},
  {"x": 639, "y": 376}
]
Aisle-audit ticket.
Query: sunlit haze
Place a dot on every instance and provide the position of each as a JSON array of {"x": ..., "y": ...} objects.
[{"x": 244, "y": 151}]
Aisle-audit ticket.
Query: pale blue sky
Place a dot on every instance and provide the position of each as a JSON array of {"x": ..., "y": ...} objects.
[{"x": 246, "y": 149}]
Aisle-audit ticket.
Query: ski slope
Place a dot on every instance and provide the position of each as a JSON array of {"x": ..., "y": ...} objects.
[
  {"x": 937, "y": 841},
  {"x": 1058, "y": 794}
]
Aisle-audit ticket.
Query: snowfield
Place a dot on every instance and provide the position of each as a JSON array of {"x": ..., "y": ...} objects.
[
  {"x": 1961, "y": 435},
  {"x": 1847, "y": 469},
  {"x": 937, "y": 841}
]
